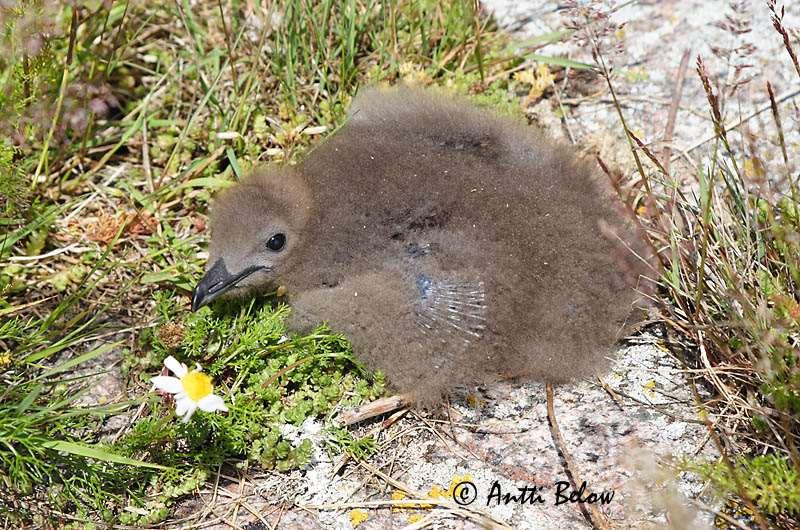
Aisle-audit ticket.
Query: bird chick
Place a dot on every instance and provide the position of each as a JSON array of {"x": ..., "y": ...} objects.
[{"x": 452, "y": 246}]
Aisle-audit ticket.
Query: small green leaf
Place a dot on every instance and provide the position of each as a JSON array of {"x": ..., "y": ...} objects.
[
  {"x": 234, "y": 163},
  {"x": 157, "y": 277}
]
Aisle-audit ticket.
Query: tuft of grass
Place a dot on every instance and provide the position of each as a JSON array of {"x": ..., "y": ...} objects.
[
  {"x": 769, "y": 480},
  {"x": 49, "y": 452},
  {"x": 728, "y": 251}
]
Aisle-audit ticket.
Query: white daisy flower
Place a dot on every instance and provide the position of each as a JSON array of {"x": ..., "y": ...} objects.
[{"x": 192, "y": 389}]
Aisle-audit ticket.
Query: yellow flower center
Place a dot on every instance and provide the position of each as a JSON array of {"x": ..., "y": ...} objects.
[{"x": 197, "y": 385}]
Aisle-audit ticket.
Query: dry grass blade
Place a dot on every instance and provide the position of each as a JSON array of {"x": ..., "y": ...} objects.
[
  {"x": 372, "y": 409},
  {"x": 673, "y": 110},
  {"x": 593, "y": 515}
]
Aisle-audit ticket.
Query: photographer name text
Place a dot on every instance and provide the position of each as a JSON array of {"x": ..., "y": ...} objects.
[{"x": 562, "y": 492}]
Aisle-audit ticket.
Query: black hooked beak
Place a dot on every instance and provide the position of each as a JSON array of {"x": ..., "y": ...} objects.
[{"x": 217, "y": 281}]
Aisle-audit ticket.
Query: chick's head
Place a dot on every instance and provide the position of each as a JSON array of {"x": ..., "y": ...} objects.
[{"x": 255, "y": 228}]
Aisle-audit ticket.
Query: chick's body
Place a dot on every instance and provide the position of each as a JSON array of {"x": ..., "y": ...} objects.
[{"x": 453, "y": 246}]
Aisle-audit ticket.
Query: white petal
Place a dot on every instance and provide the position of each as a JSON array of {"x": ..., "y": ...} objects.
[
  {"x": 188, "y": 414},
  {"x": 182, "y": 404},
  {"x": 212, "y": 403},
  {"x": 166, "y": 383},
  {"x": 179, "y": 369}
]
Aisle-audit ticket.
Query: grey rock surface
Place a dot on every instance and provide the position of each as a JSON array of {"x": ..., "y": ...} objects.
[
  {"x": 655, "y": 36},
  {"x": 501, "y": 436}
]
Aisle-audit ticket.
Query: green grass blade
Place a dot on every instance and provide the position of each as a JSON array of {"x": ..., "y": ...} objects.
[
  {"x": 77, "y": 361},
  {"x": 93, "y": 451},
  {"x": 560, "y": 61}
]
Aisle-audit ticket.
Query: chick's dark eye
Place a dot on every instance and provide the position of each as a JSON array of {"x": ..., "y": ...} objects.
[{"x": 276, "y": 242}]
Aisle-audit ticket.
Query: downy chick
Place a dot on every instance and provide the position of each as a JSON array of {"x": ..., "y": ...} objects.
[{"x": 450, "y": 245}]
